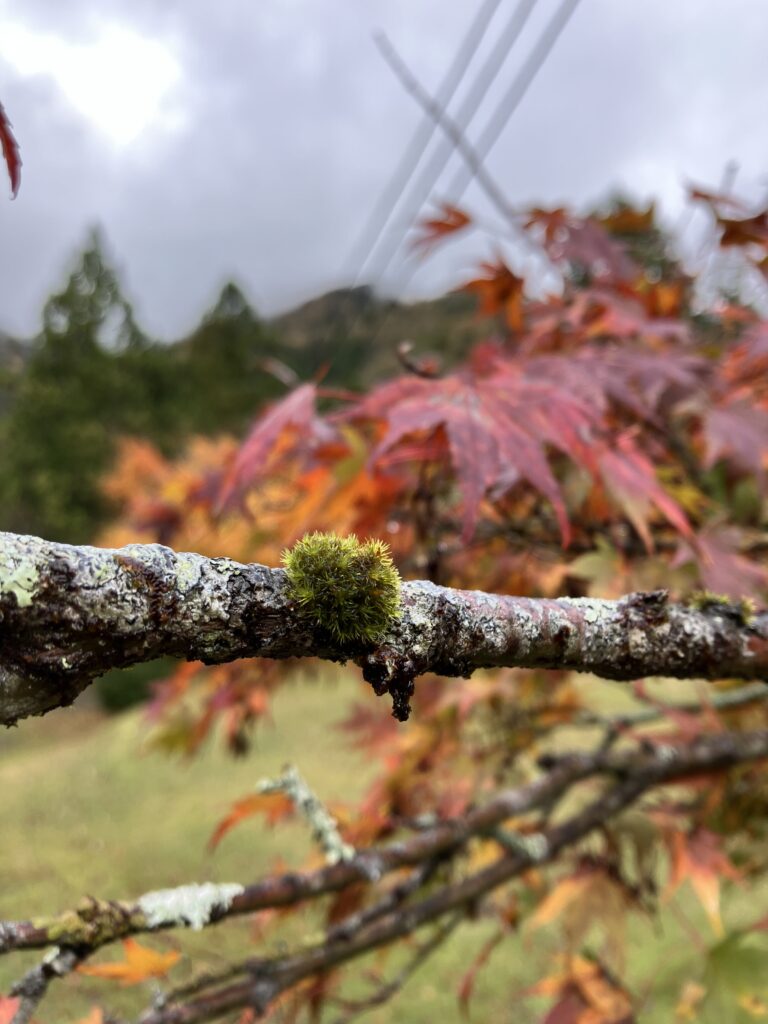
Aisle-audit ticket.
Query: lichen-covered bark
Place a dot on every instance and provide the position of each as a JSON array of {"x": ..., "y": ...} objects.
[{"x": 68, "y": 614}]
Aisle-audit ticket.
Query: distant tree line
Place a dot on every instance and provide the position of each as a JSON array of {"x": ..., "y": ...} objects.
[{"x": 92, "y": 375}]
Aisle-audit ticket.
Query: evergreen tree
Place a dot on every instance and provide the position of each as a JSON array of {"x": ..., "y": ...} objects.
[
  {"x": 59, "y": 434},
  {"x": 222, "y": 367}
]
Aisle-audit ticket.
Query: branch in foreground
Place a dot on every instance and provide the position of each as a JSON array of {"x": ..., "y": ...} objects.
[
  {"x": 256, "y": 983},
  {"x": 69, "y": 614},
  {"x": 394, "y": 912},
  {"x": 95, "y": 923}
]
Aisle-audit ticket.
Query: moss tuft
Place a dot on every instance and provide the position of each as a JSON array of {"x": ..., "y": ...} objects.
[{"x": 348, "y": 587}]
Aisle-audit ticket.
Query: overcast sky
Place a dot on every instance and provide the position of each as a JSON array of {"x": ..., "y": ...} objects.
[{"x": 251, "y": 138}]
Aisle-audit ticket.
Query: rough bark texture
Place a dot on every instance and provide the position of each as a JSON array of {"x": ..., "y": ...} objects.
[{"x": 69, "y": 614}]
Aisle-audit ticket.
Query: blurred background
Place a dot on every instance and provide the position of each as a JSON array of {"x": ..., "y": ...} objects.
[
  {"x": 252, "y": 142},
  {"x": 219, "y": 202}
]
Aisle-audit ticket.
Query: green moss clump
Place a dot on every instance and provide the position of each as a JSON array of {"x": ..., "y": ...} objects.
[{"x": 348, "y": 587}]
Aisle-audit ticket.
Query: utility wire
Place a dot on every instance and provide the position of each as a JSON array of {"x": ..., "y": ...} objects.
[
  {"x": 432, "y": 170},
  {"x": 514, "y": 95},
  {"x": 374, "y": 227},
  {"x": 499, "y": 119},
  {"x": 474, "y": 156},
  {"x": 449, "y": 127}
]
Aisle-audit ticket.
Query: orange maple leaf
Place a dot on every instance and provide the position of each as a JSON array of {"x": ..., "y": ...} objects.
[
  {"x": 274, "y": 806},
  {"x": 744, "y": 230},
  {"x": 435, "y": 229},
  {"x": 587, "y": 994},
  {"x": 8, "y": 1008},
  {"x": 500, "y": 291},
  {"x": 567, "y": 890},
  {"x": 94, "y": 1017},
  {"x": 140, "y": 963},
  {"x": 629, "y": 221},
  {"x": 698, "y": 857}
]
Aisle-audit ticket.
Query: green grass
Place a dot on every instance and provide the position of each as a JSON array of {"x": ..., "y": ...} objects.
[{"x": 87, "y": 809}]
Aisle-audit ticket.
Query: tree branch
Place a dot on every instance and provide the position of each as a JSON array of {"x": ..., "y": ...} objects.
[
  {"x": 262, "y": 980},
  {"x": 95, "y": 923},
  {"x": 394, "y": 912},
  {"x": 69, "y": 614}
]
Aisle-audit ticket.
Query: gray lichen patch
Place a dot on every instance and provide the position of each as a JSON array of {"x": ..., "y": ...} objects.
[
  {"x": 21, "y": 581},
  {"x": 187, "y": 905}
]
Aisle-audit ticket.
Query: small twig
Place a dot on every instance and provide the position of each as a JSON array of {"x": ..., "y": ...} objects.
[
  {"x": 31, "y": 989},
  {"x": 394, "y": 898},
  {"x": 386, "y": 992},
  {"x": 424, "y": 367},
  {"x": 727, "y": 700},
  {"x": 325, "y": 829}
]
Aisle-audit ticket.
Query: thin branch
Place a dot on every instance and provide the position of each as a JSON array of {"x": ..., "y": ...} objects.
[
  {"x": 257, "y": 983},
  {"x": 269, "y": 978},
  {"x": 69, "y": 614},
  {"x": 390, "y": 989},
  {"x": 728, "y": 700},
  {"x": 95, "y": 923},
  {"x": 32, "y": 988}
]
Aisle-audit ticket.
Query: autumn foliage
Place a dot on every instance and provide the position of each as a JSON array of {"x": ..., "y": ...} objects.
[{"x": 610, "y": 437}]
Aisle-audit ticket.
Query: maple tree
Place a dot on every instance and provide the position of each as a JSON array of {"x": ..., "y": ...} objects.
[{"x": 585, "y": 491}]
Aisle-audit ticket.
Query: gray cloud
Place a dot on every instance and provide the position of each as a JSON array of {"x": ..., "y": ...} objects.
[{"x": 292, "y": 124}]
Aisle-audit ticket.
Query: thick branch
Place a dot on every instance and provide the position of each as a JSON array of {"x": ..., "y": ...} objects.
[{"x": 69, "y": 614}]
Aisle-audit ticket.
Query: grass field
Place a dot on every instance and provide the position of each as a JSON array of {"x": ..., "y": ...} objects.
[{"x": 87, "y": 809}]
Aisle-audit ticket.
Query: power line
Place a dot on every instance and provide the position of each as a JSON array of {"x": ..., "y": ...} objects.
[
  {"x": 499, "y": 119},
  {"x": 442, "y": 119},
  {"x": 424, "y": 184},
  {"x": 384, "y": 208},
  {"x": 514, "y": 95}
]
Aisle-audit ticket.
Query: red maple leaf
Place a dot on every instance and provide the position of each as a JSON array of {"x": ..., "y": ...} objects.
[
  {"x": 744, "y": 370},
  {"x": 738, "y": 431},
  {"x": 10, "y": 150},
  {"x": 582, "y": 242},
  {"x": 295, "y": 412},
  {"x": 492, "y": 425},
  {"x": 716, "y": 201},
  {"x": 724, "y": 568},
  {"x": 630, "y": 477}
]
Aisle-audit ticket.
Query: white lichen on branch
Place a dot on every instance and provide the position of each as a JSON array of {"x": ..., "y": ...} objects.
[
  {"x": 325, "y": 829},
  {"x": 187, "y": 905}
]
